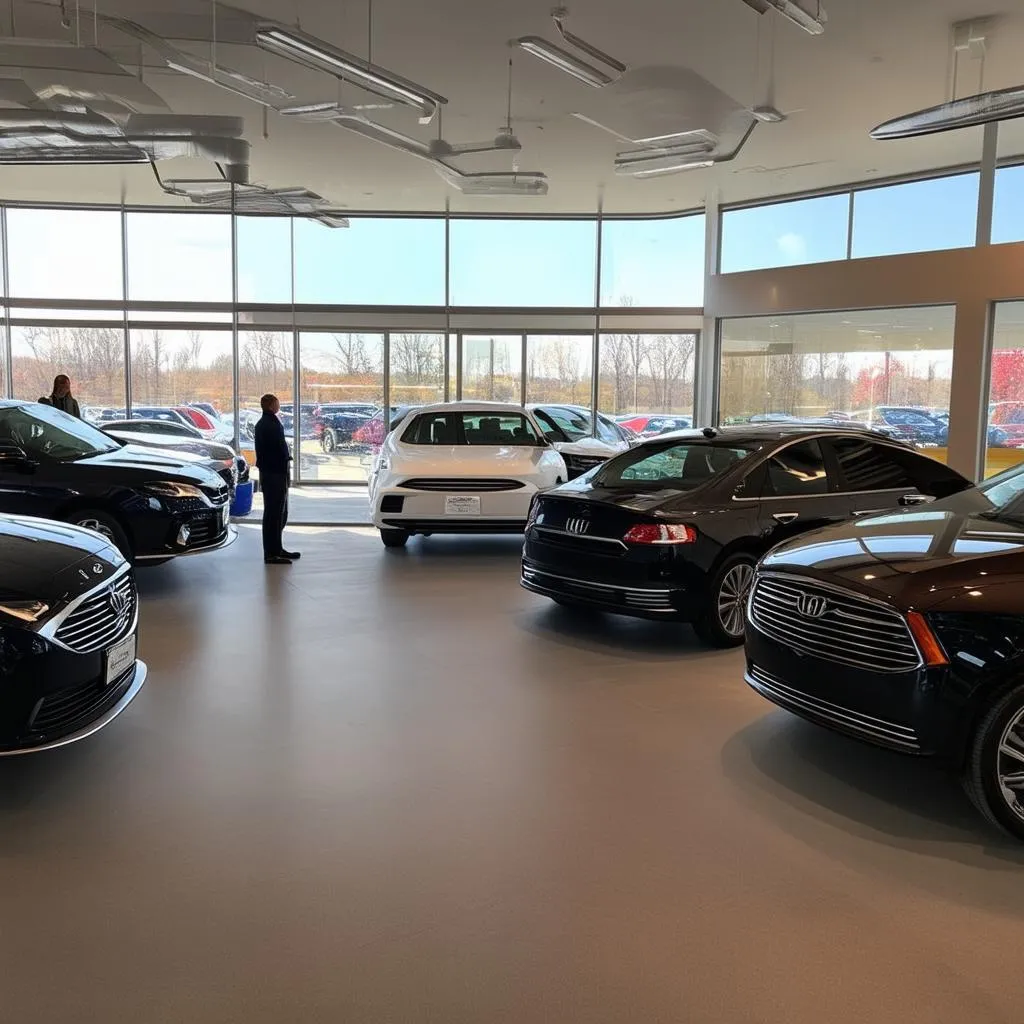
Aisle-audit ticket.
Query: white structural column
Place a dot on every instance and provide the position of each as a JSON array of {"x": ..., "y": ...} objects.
[
  {"x": 968, "y": 393},
  {"x": 705, "y": 390}
]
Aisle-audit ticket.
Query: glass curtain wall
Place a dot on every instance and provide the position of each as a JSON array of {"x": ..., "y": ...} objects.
[{"x": 1005, "y": 442}]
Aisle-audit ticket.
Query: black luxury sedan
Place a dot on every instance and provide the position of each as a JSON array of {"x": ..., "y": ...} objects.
[
  {"x": 151, "y": 506},
  {"x": 907, "y": 630},
  {"x": 68, "y": 616},
  {"x": 672, "y": 529}
]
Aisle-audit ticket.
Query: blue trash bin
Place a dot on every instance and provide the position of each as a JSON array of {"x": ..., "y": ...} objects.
[{"x": 241, "y": 504}]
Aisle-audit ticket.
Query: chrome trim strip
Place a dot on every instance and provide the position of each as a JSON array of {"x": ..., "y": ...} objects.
[
  {"x": 639, "y": 593},
  {"x": 138, "y": 681},
  {"x": 580, "y": 536},
  {"x": 229, "y": 538},
  {"x": 49, "y": 629}
]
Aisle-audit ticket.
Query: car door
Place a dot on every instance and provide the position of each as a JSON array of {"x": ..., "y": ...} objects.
[
  {"x": 798, "y": 492},
  {"x": 875, "y": 477}
]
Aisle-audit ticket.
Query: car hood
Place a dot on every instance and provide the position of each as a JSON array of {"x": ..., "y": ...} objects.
[
  {"x": 921, "y": 558},
  {"x": 149, "y": 464},
  {"x": 187, "y": 449},
  {"x": 467, "y": 460},
  {"x": 52, "y": 562},
  {"x": 592, "y": 446}
]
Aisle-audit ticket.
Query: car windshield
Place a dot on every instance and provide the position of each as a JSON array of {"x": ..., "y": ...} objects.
[
  {"x": 679, "y": 466},
  {"x": 472, "y": 428},
  {"x": 571, "y": 423},
  {"x": 44, "y": 432}
]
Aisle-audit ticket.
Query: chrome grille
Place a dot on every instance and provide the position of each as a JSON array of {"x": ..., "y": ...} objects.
[
  {"x": 102, "y": 619},
  {"x": 642, "y": 598},
  {"x": 460, "y": 485},
  {"x": 850, "y": 630},
  {"x": 879, "y": 730}
]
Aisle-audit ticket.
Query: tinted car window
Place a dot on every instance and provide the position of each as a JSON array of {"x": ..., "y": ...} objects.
[
  {"x": 607, "y": 431},
  {"x": 50, "y": 433},
  {"x": 680, "y": 467},
  {"x": 483, "y": 428},
  {"x": 866, "y": 466},
  {"x": 795, "y": 471},
  {"x": 571, "y": 424}
]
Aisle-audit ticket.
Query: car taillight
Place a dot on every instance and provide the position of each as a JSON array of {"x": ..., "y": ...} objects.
[
  {"x": 660, "y": 533},
  {"x": 931, "y": 649}
]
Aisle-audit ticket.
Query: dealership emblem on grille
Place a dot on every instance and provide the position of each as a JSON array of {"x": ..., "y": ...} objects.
[
  {"x": 97, "y": 568},
  {"x": 811, "y": 606},
  {"x": 578, "y": 525},
  {"x": 119, "y": 602}
]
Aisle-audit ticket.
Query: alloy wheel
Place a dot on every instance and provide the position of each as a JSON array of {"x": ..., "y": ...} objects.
[
  {"x": 1010, "y": 764},
  {"x": 732, "y": 598},
  {"x": 97, "y": 527}
]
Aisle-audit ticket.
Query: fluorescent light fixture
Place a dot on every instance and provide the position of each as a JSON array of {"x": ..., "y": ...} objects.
[
  {"x": 677, "y": 140},
  {"x": 232, "y": 81},
  {"x": 792, "y": 11},
  {"x": 662, "y": 163},
  {"x": 1001, "y": 105},
  {"x": 495, "y": 183},
  {"x": 564, "y": 61},
  {"x": 386, "y": 136},
  {"x": 297, "y": 46}
]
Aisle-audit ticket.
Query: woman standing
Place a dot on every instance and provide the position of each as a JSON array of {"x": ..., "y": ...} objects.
[{"x": 61, "y": 397}]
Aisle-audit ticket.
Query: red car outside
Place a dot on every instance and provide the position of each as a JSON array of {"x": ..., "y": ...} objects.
[
  {"x": 656, "y": 423},
  {"x": 1009, "y": 417},
  {"x": 199, "y": 419}
]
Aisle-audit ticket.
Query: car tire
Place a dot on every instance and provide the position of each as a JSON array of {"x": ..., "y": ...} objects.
[
  {"x": 718, "y": 625},
  {"x": 105, "y": 524},
  {"x": 394, "y": 538},
  {"x": 988, "y": 767},
  {"x": 329, "y": 442}
]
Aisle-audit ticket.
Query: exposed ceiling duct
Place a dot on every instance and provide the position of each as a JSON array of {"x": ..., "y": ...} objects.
[
  {"x": 222, "y": 195},
  {"x": 302, "y": 48},
  {"x": 204, "y": 70},
  {"x": 589, "y": 73},
  {"x": 792, "y": 11}
]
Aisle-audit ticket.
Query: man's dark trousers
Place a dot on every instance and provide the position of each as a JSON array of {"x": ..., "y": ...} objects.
[{"x": 275, "y": 511}]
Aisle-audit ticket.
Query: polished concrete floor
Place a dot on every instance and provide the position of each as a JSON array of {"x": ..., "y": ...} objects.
[{"x": 396, "y": 788}]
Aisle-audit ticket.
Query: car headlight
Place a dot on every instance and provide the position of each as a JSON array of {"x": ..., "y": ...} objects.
[
  {"x": 170, "y": 489},
  {"x": 24, "y": 611}
]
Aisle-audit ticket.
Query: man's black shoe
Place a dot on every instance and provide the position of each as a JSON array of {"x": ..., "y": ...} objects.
[
  {"x": 277, "y": 560},
  {"x": 293, "y": 555}
]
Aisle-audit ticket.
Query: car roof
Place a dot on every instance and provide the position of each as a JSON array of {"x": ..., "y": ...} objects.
[
  {"x": 484, "y": 407},
  {"x": 762, "y": 432}
]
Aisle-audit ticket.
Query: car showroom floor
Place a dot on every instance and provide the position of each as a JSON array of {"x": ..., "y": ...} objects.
[{"x": 395, "y": 787}]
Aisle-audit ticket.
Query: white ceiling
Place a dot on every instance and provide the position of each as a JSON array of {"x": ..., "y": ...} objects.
[{"x": 877, "y": 59}]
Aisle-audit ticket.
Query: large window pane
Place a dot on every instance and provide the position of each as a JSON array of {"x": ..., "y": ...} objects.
[
  {"x": 559, "y": 368},
  {"x": 65, "y": 254},
  {"x": 1008, "y": 205},
  {"x": 653, "y": 262},
  {"x": 377, "y": 261},
  {"x": 492, "y": 367},
  {"x": 919, "y": 216},
  {"x": 646, "y": 373},
  {"x": 184, "y": 257},
  {"x": 523, "y": 262},
  {"x": 341, "y": 387},
  {"x": 93, "y": 357},
  {"x": 417, "y": 368},
  {"x": 1006, "y": 389},
  {"x": 785, "y": 234},
  {"x": 265, "y": 366},
  {"x": 888, "y": 368},
  {"x": 182, "y": 368},
  {"x": 264, "y": 259}
]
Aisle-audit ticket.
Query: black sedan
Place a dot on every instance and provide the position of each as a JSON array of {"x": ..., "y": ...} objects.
[
  {"x": 907, "y": 630},
  {"x": 68, "y": 615},
  {"x": 672, "y": 529},
  {"x": 151, "y": 506}
]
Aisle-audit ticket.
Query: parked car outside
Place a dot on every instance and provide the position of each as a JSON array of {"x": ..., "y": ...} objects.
[
  {"x": 212, "y": 428},
  {"x": 336, "y": 425},
  {"x": 68, "y": 620},
  {"x": 580, "y": 442},
  {"x": 652, "y": 425},
  {"x": 1009, "y": 418},
  {"x": 461, "y": 467},
  {"x": 907, "y": 630},
  {"x": 996, "y": 437},
  {"x": 904, "y": 423},
  {"x": 221, "y": 458},
  {"x": 372, "y": 431},
  {"x": 672, "y": 529},
  {"x": 151, "y": 506}
]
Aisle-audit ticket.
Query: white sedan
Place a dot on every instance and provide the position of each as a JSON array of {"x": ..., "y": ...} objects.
[{"x": 462, "y": 467}]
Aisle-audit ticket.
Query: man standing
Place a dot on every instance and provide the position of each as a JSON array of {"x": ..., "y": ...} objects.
[
  {"x": 272, "y": 458},
  {"x": 61, "y": 397}
]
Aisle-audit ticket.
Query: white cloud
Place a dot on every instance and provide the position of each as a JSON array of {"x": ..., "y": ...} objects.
[{"x": 793, "y": 246}]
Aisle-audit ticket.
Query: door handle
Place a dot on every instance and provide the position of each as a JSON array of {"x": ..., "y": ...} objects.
[
  {"x": 916, "y": 499},
  {"x": 785, "y": 517}
]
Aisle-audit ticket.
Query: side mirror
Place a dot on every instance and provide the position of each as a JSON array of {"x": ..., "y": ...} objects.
[{"x": 13, "y": 456}]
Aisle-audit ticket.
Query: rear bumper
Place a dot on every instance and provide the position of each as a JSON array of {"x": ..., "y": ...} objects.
[
  {"x": 666, "y": 603},
  {"x": 424, "y": 511}
]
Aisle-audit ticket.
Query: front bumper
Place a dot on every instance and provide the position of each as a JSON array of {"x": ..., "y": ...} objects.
[{"x": 187, "y": 532}]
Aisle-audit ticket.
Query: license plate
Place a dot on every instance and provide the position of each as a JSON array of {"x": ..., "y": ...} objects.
[
  {"x": 461, "y": 505},
  {"x": 120, "y": 658}
]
